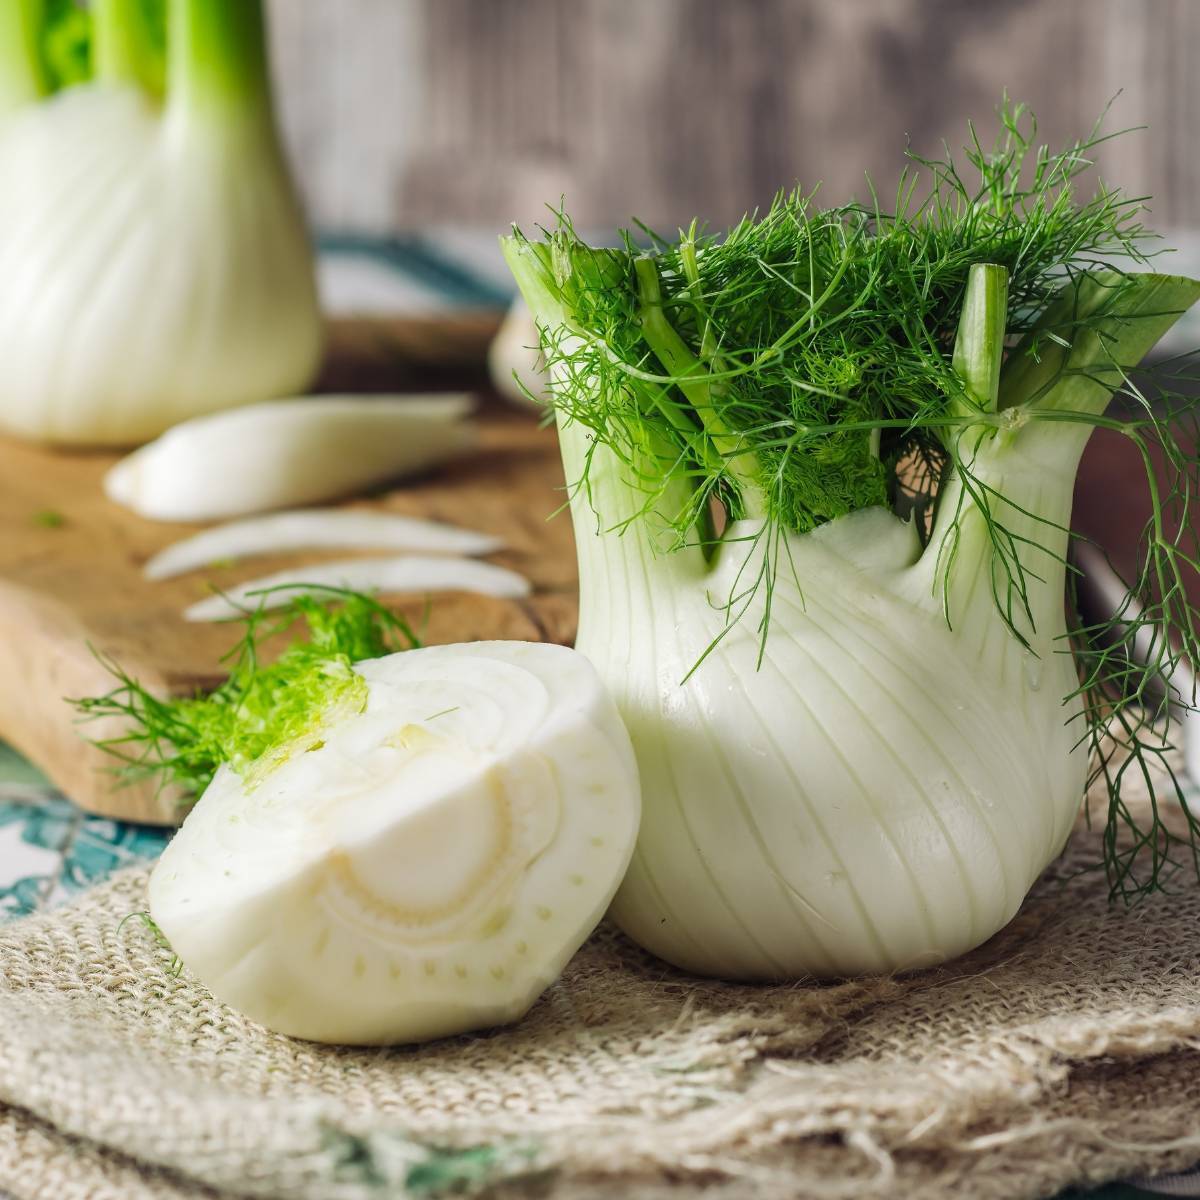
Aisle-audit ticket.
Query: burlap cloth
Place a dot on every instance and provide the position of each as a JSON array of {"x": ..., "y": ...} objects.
[{"x": 1064, "y": 1051}]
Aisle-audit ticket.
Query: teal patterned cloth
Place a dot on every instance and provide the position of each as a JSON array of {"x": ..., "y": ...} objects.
[{"x": 49, "y": 849}]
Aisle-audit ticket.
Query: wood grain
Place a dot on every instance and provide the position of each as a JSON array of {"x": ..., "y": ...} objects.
[{"x": 71, "y": 591}]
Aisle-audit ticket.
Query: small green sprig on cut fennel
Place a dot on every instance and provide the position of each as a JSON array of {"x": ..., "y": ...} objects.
[
  {"x": 264, "y": 711},
  {"x": 812, "y": 363}
]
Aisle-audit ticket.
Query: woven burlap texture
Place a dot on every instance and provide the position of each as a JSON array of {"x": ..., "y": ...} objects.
[{"x": 1066, "y": 1050}]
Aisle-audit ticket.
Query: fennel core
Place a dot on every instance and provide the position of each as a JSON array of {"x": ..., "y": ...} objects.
[{"x": 862, "y": 719}]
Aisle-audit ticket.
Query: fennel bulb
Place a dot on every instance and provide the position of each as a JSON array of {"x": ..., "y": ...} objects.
[
  {"x": 154, "y": 263},
  {"x": 514, "y": 361},
  {"x": 858, "y": 801},
  {"x": 822, "y": 472},
  {"x": 423, "y": 862}
]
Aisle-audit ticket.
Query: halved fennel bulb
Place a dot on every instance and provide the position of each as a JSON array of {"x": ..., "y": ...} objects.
[
  {"x": 154, "y": 264},
  {"x": 423, "y": 867}
]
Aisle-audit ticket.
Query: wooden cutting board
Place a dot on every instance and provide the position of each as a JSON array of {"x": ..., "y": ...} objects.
[{"x": 76, "y": 588}]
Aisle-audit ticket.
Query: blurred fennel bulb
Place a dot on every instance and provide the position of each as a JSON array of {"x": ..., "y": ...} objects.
[
  {"x": 514, "y": 360},
  {"x": 154, "y": 263}
]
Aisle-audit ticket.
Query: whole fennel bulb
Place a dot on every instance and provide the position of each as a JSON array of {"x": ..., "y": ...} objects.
[
  {"x": 855, "y": 802},
  {"x": 861, "y": 727},
  {"x": 154, "y": 263}
]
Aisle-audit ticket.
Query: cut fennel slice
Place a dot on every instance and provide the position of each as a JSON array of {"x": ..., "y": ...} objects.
[
  {"x": 426, "y": 869},
  {"x": 287, "y": 454},
  {"x": 316, "y": 529},
  {"x": 403, "y": 574}
]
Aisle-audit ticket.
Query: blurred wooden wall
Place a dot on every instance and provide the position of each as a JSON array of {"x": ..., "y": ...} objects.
[{"x": 405, "y": 113}]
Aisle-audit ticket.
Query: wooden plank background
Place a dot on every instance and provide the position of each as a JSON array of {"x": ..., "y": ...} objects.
[{"x": 405, "y": 113}]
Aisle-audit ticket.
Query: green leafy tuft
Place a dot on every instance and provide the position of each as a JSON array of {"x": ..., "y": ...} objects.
[
  {"x": 810, "y": 364},
  {"x": 264, "y": 712}
]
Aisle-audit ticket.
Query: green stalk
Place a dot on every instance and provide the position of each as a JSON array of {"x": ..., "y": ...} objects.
[
  {"x": 692, "y": 379},
  {"x": 217, "y": 59},
  {"x": 551, "y": 276},
  {"x": 612, "y": 499},
  {"x": 979, "y": 352},
  {"x": 530, "y": 264},
  {"x": 989, "y": 508},
  {"x": 1003, "y": 515},
  {"x": 691, "y": 268},
  {"x": 22, "y": 72},
  {"x": 1100, "y": 327},
  {"x": 123, "y": 48},
  {"x": 979, "y": 346}
]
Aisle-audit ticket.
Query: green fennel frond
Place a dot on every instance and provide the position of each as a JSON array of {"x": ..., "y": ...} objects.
[
  {"x": 263, "y": 710},
  {"x": 175, "y": 967},
  {"x": 811, "y": 363},
  {"x": 1137, "y": 665}
]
